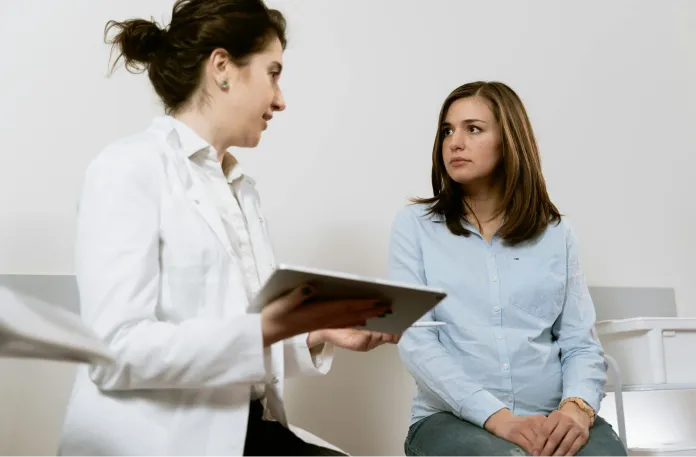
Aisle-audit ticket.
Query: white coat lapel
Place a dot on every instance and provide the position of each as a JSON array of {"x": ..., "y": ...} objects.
[
  {"x": 202, "y": 202},
  {"x": 186, "y": 142}
]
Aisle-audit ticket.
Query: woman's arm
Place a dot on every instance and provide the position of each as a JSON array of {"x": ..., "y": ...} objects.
[
  {"x": 117, "y": 265},
  {"x": 582, "y": 357},
  {"x": 421, "y": 351}
]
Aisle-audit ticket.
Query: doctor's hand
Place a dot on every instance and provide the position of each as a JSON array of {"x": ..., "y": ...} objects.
[
  {"x": 351, "y": 339},
  {"x": 292, "y": 314}
]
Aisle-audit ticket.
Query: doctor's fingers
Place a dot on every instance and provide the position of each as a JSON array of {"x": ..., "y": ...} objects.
[{"x": 298, "y": 295}]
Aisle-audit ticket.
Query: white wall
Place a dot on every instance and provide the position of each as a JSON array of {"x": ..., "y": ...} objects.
[{"x": 609, "y": 87}]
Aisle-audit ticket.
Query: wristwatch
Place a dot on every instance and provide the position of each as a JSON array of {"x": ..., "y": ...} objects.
[{"x": 584, "y": 407}]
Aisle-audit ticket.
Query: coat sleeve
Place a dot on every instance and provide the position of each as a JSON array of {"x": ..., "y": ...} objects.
[{"x": 118, "y": 274}]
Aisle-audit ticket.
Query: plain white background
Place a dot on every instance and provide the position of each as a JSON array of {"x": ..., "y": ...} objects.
[{"x": 610, "y": 88}]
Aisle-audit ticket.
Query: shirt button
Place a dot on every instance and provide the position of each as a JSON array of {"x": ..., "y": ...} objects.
[
  {"x": 506, "y": 366},
  {"x": 500, "y": 337},
  {"x": 275, "y": 380},
  {"x": 495, "y": 279},
  {"x": 496, "y": 309},
  {"x": 510, "y": 399}
]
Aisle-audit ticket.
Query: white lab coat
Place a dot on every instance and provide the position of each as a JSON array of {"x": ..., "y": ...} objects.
[{"x": 159, "y": 282}]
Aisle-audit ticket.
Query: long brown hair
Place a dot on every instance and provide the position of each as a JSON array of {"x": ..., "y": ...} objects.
[{"x": 526, "y": 205}]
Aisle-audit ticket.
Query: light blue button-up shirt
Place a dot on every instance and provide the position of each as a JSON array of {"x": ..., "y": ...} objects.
[{"x": 520, "y": 321}]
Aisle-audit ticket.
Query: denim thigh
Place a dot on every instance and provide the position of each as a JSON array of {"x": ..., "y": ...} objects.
[{"x": 445, "y": 434}]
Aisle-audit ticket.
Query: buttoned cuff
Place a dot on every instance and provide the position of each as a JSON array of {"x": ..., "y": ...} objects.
[
  {"x": 480, "y": 406},
  {"x": 588, "y": 394}
]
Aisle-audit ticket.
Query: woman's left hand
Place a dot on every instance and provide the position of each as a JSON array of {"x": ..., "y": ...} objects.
[{"x": 351, "y": 339}]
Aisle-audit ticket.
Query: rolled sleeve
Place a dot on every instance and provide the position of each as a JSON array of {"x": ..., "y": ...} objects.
[
  {"x": 480, "y": 406},
  {"x": 301, "y": 360}
]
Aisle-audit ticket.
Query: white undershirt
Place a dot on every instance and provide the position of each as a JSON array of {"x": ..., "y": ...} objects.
[{"x": 223, "y": 190}]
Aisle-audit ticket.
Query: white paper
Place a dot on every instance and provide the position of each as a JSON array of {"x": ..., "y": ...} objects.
[{"x": 30, "y": 328}]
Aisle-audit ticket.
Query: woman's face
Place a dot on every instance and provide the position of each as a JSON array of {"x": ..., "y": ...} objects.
[
  {"x": 246, "y": 105},
  {"x": 471, "y": 145}
]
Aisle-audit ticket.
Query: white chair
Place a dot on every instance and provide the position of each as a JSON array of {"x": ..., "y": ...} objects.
[{"x": 617, "y": 388}]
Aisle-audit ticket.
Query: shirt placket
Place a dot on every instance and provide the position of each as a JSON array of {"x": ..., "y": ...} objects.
[{"x": 497, "y": 321}]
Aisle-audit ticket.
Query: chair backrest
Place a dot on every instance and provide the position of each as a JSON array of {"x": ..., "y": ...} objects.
[{"x": 628, "y": 302}]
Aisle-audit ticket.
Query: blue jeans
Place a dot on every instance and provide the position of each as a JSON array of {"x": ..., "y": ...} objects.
[{"x": 445, "y": 434}]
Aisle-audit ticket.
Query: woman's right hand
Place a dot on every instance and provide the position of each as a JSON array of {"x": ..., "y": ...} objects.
[
  {"x": 520, "y": 430},
  {"x": 290, "y": 315}
]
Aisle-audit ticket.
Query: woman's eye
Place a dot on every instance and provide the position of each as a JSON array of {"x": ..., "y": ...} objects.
[
  {"x": 447, "y": 131},
  {"x": 474, "y": 129}
]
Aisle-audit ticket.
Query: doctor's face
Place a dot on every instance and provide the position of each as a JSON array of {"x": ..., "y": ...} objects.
[{"x": 252, "y": 96}]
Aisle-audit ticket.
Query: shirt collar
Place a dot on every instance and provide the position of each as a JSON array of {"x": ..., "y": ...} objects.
[{"x": 191, "y": 144}]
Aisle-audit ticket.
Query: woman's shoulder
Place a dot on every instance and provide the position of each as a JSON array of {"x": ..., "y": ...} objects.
[
  {"x": 561, "y": 230},
  {"x": 135, "y": 154},
  {"x": 417, "y": 212}
]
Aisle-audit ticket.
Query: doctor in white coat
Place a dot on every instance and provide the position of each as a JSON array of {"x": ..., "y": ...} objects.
[{"x": 172, "y": 245}]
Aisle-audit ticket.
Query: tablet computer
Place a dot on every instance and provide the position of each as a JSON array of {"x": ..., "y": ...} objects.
[{"x": 409, "y": 302}]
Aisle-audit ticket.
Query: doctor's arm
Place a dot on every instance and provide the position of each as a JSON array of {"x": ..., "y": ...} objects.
[
  {"x": 118, "y": 273},
  {"x": 423, "y": 355},
  {"x": 582, "y": 356}
]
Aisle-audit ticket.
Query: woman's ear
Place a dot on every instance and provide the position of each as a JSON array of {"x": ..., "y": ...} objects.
[{"x": 221, "y": 67}]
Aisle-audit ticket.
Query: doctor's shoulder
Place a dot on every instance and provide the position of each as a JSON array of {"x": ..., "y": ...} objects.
[{"x": 133, "y": 159}]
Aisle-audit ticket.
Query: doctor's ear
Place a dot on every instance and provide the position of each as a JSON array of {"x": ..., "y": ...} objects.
[{"x": 221, "y": 68}]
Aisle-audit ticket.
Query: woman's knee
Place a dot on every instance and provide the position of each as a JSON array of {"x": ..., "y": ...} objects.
[{"x": 603, "y": 441}]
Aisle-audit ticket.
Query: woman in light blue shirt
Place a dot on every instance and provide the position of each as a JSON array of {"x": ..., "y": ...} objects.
[{"x": 518, "y": 367}]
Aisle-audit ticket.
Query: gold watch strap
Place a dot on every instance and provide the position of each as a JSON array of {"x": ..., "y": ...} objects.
[{"x": 587, "y": 409}]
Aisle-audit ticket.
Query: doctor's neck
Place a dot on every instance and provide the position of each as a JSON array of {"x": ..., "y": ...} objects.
[{"x": 203, "y": 122}]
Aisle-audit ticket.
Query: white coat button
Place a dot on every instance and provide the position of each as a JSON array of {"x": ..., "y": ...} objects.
[
  {"x": 496, "y": 309},
  {"x": 275, "y": 380},
  {"x": 506, "y": 366}
]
